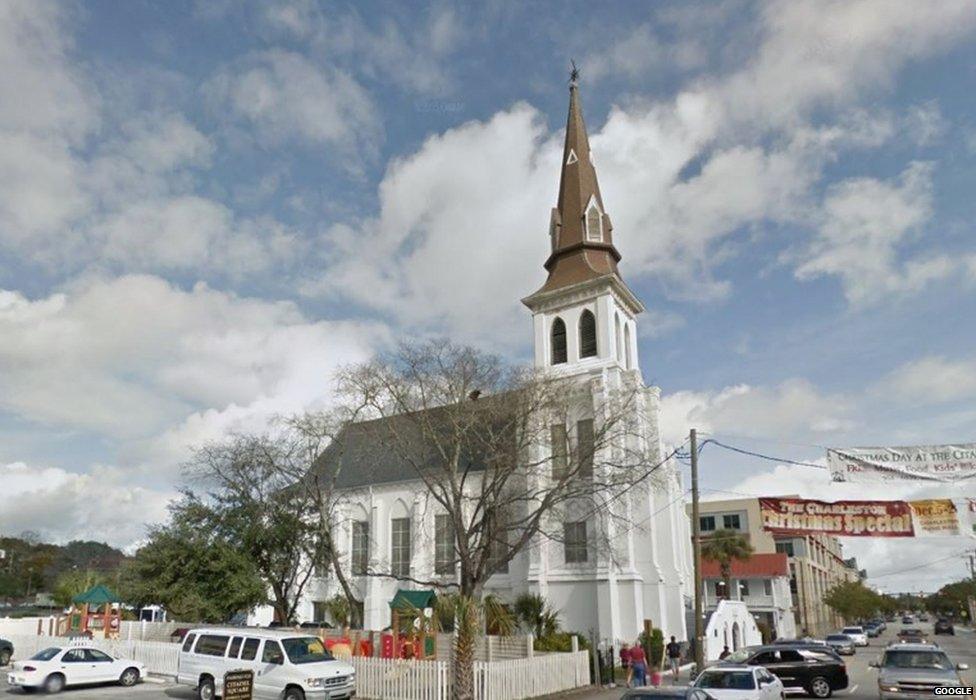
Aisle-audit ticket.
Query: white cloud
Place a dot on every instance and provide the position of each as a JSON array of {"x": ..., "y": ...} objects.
[
  {"x": 131, "y": 357},
  {"x": 284, "y": 96},
  {"x": 102, "y": 505},
  {"x": 924, "y": 123},
  {"x": 931, "y": 380},
  {"x": 792, "y": 408},
  {"x": 865, "y": 223},
  {"x": 639, "y": 53}
]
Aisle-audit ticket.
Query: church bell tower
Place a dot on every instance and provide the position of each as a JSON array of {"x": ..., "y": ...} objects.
[{"x": 584, "y": 314}]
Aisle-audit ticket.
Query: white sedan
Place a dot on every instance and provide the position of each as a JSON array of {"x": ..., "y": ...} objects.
[
  {"x": 734, "y": 682},
  {"x": 858, "y": 634},
  {"x": 56, "y": 667}
]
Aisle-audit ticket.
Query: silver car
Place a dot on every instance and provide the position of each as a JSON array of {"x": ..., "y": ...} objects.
[
  {"x": 915, "y": 671},
  {"x": 841, "y": 643}
]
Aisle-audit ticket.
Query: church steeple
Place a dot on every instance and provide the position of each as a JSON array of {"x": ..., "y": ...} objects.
[{"x": 581, "y": 234}]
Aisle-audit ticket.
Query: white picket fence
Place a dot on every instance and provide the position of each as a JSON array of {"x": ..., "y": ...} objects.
[
  {"x": 397, "y": 679},
  {"x": 379, "y": 679},
  {"x": 530, "y": 678}
]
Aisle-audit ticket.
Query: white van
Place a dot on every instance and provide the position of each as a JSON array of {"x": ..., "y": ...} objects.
[{"x": 287, "y": 665}]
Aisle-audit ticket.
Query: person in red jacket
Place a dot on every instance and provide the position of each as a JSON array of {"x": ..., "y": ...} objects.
[{"x": 638, "y": 662}]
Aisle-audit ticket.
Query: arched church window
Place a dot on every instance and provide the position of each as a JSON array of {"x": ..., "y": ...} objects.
[
  {"x": 630, "y": 364},
  {"x": 558, "y": 342},
  {"x": 587, "y": 334},
  {"x": 620, "y": 338},
  {"x": 594, "y": 223}
]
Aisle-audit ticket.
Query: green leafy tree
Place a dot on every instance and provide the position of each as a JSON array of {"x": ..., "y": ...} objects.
[
  {"x": 249, "y": 499},
  {"x": 724, "y": 546},
  {"x": 72, "y": 583},
  {"x": 193, "y": 572},
  {"x": 852, "y": 600}
]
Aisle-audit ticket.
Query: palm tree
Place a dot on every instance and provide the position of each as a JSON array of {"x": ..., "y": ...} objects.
[{"x": 723, "y": 546}]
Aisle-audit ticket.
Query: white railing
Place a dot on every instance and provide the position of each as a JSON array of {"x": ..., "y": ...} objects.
[
  {"x": 397, "y": 679},
  {"x": 529, "y": 678}
]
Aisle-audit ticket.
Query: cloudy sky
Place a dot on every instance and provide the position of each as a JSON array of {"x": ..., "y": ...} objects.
[{"x": 207, "y": 207}]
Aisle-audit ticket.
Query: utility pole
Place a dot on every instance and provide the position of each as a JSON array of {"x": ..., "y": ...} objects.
[{"x": 696, "y": 549}]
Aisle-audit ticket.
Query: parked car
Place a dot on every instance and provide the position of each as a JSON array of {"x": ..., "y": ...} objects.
[
  {"x": 667, "y": 693},
  {"x": 872, "y": 630},
  {"x": 857, "y": 633},
  {"x": 911, "y": 635},
  {"x": 841, "y": 643},
  {"x": 943, "y": 626},
  {"x": 915, "y": 669},
  {"x": 286, "y": 664},
  {"x": 732, "y": 682},
  {"x": 923, "y": 618},
  {"x": 55, "y": 668},
  {"x": 907, "y": 620},
  {"x": 817, "y": 670},
  {"x": 6, "y": 652}
]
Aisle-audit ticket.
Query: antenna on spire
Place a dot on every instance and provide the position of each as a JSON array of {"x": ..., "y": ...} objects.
[{"x": 574, "y": 74}]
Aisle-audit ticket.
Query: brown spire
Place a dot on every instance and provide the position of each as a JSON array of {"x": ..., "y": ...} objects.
[{"x": 580, "y": 230}]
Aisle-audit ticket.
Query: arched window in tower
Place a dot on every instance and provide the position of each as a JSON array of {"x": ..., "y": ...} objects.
[
  {"x": 620, "y": 338},
  {"x": 594, "y": 223},
  {"x": 558, "y": 342},
  {"x": 630, "y": 363},
  {"x": 587, "y": 334}
]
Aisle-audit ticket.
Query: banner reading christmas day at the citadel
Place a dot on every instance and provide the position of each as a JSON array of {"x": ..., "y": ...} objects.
[{"x": 934, "y": 463}]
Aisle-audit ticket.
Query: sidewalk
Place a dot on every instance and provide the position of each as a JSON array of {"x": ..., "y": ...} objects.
[{"x": 598, "y": 693}]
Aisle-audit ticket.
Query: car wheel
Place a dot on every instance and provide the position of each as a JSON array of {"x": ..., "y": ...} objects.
[
  {"x": 820, "y": 688},
  {"x": 294, "y": 694},
  {"x": 4, "y": 657},
  {"x": 54, "y": 684},
  {"x": 206, "y": 690},
  {"x": 129, "y": 677}
]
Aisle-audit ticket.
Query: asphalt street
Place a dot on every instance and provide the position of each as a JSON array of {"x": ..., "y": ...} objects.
[{"x": 961, "y": 649}]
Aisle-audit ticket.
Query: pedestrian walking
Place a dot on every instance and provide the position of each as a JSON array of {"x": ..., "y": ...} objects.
[
  {"x": 673, "y": 650},
  {"x": 638, "y": 664},
  {"x": 725, "y": 652},
  {"x": 625, "y": 660}
]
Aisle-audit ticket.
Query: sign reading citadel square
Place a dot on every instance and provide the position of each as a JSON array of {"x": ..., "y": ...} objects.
[{"x": 947, "y": 463}]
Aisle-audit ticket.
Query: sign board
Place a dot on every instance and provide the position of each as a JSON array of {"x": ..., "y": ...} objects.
[
  {"x": 929, "y": 463},
  {"x": 797, "y": 516},
  {"x": 238, "y": 685},
  {"x": 935, "y": 516}
]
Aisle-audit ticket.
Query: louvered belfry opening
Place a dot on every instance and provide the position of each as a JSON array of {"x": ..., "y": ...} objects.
[
  {"x": 558, "y": 342},
  {"x": 587, "y": 330}
]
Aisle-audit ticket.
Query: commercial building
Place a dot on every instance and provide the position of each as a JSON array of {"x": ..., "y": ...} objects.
[{"x": 816, "y": 562}]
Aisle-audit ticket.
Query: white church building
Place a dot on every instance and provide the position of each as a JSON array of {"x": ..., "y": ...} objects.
[{"x": 585, "y": 329}]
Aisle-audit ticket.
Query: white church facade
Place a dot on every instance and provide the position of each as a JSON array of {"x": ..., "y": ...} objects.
[{"x": 585, "y": 331}]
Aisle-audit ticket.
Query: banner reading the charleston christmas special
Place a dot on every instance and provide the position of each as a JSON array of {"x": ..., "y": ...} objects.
[
  {"x": 947, "y": 463},
  {"x": 797, "y": 516}
]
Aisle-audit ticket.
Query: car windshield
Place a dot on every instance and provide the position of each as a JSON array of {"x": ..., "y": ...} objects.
[
  {"x": 729, "y": 680},
  {"x": 46, "y": 654},
  {"x": 305, "y": 650},
  {"x": 739, "y": 656},
  {"x": 903, "y": 658},
  {"x": 852, "y": 630},
  {"x": 838, "y": 638}
]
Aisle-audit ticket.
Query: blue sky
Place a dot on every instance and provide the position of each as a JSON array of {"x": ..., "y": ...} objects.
[{"x": 207, "y": 207}]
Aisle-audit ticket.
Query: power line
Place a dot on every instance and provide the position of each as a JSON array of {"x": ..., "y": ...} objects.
[
  {"x": 781, "y": 460},
  {"x": 919, "y": 566}
]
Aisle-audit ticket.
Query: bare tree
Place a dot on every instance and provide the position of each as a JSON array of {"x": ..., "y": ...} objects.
[
  {"x": 247, "y": 495},
  {"x": 507, "y": 455}
]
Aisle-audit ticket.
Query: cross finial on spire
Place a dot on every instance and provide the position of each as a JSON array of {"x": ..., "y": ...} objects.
[{"x": 574, "y": 74}]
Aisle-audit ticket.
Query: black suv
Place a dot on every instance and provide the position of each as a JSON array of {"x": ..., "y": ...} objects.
[
  {"x": 6, "y": 651},
  {"x": 944, "y": 626},
  {"x": 816, "y": 670}
]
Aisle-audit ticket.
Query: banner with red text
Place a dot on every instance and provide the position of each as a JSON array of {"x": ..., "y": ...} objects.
[{"x": 798, "y": 516}]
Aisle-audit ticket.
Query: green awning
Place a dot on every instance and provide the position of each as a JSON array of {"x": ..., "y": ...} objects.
[
  {"x": 97, "y": 595},
  {"x": 407, "y": 600}
]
